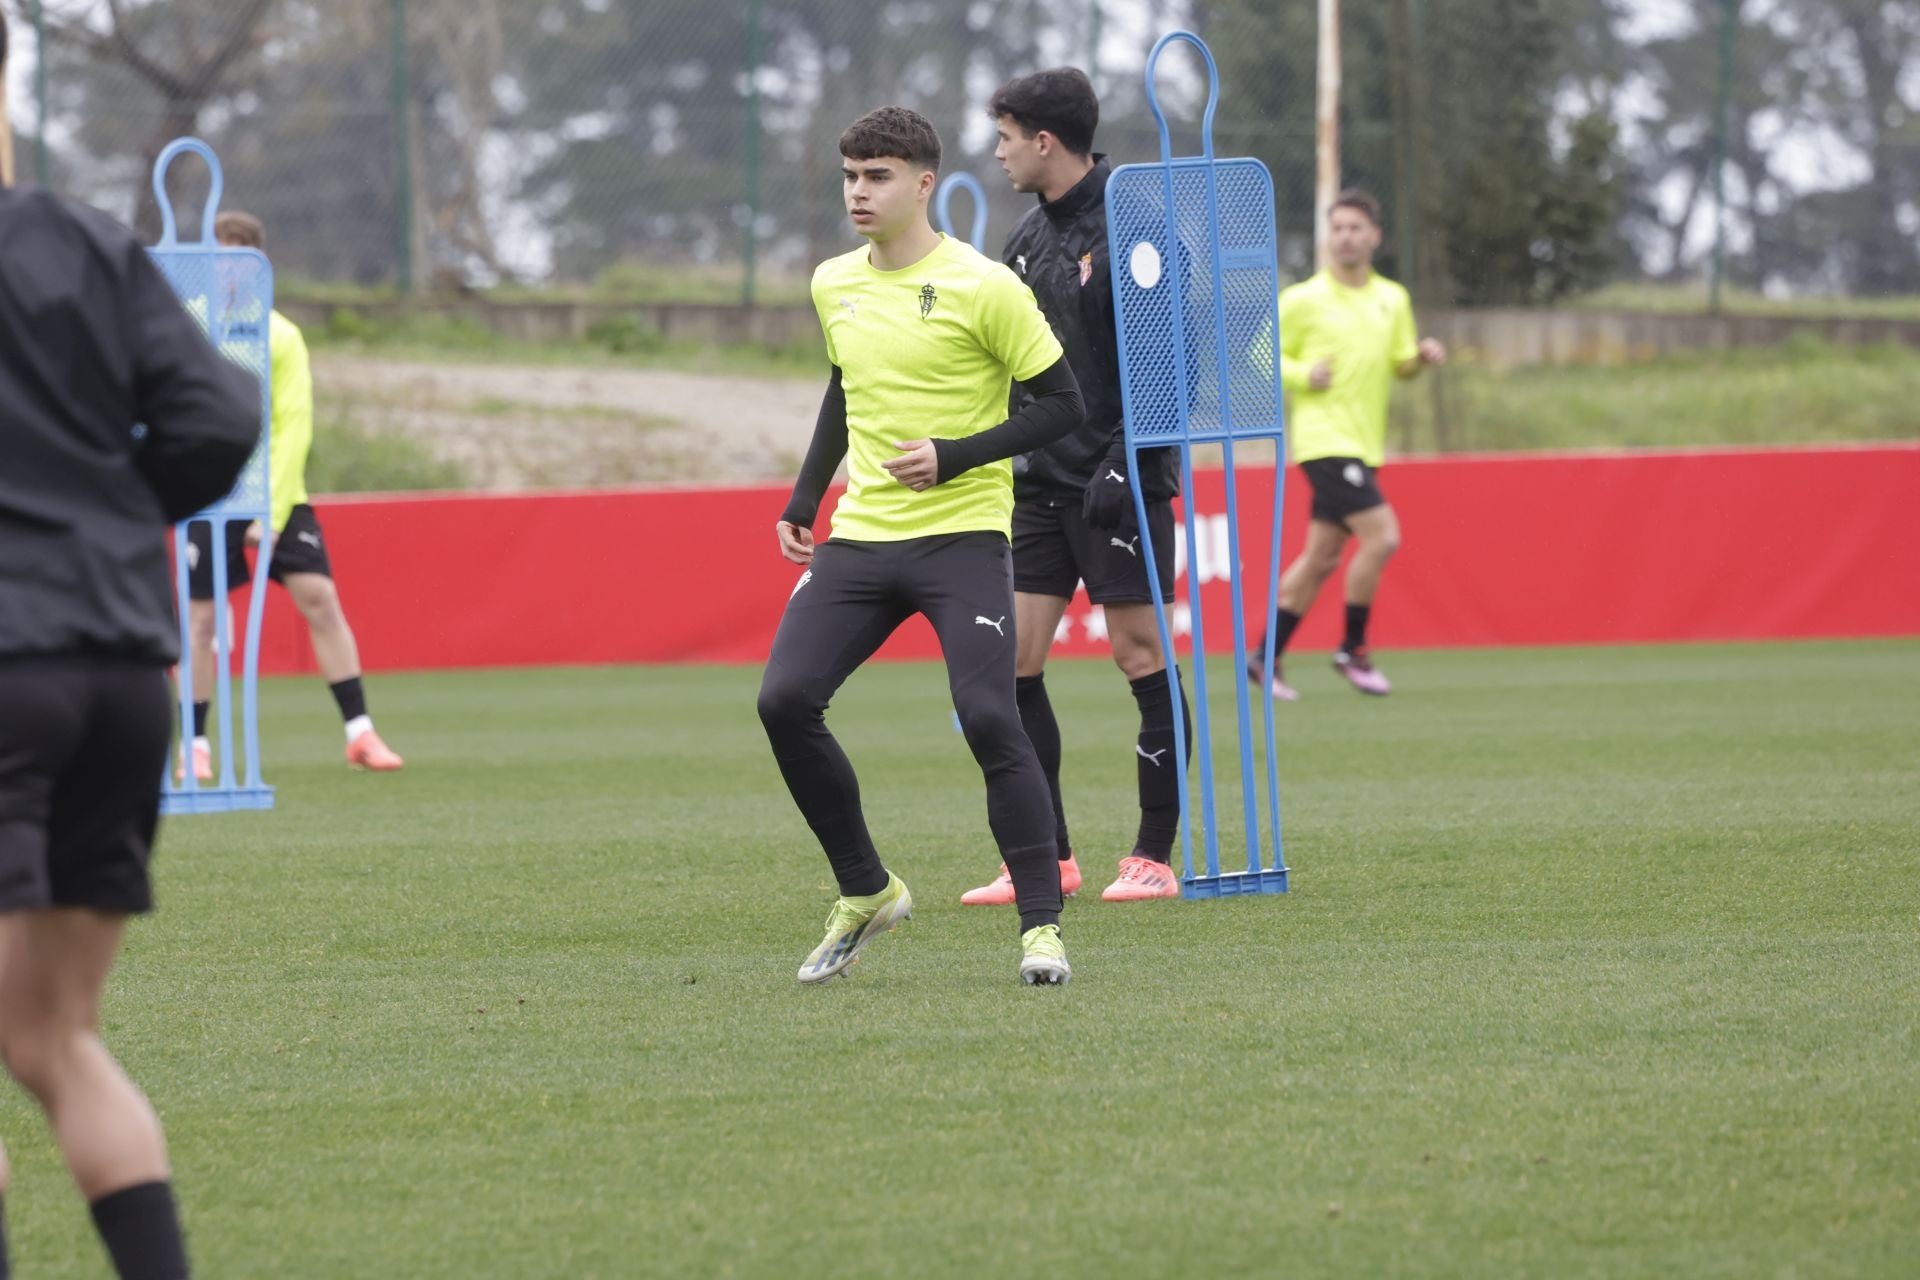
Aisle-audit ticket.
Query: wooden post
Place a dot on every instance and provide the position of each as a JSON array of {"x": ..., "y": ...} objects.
[
  {"x": 6, "y": 126},
  {"x": 6, "y": 135},
  {"x": 1326, "y": 132}
]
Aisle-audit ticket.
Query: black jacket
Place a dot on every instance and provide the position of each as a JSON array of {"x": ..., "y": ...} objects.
[
  {"x": 93, "y": 341},
  {"x": 1060, "y": 250}
]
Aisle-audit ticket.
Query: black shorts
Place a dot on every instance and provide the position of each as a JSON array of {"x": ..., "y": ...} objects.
[
  {"x": 299, "y": 548},
  {"x": 1054, "y": 551},
  {"x": 83, "y": 743},
  {"x": 1342, "y": 487}
]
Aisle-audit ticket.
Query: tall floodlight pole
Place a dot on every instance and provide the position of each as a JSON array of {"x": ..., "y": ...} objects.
[
  {"x": 41, "y": 168},
  {"x": 1326, "y": 132},
  {"x": 1729, "y": 20},
  {"x": 6, "y": 143},
  {"x": 1093, "y": 44},
  {"x": 750, "y": 232},
  {"x": 403, "y": 149}
]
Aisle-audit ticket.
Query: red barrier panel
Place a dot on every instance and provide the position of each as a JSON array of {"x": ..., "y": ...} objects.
[{"x": 1511, "y": 549}]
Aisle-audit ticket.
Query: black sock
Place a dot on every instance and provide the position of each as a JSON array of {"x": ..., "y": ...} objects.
[
  {"x": 823, "y": 785},
  {"x": 1356, "y": 627},
  {"x": 820, "y": 778},
  {"x": 6, "y": 1267},
  {"x": 141, "y": 1230},
  {"x": 1043, "y": 731},
  {"x": 200, "y": 710},
  {"x": 351, "y": 697},
  {"x": 1159, "y": 778},
  {"x": 1284, "y": 621},
  {"x": 1036, "y": 886}
]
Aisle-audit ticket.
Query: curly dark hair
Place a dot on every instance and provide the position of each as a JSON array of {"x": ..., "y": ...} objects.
[
  {"x": 1060, "y": 101},
  {"x": 237, "y": 227},
  {"x": 892, "y": 133}
]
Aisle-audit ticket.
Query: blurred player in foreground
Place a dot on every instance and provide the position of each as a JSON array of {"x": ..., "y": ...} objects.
[
  {"x": 925, "y": 337},
  {"x": 1345, "y": 335},
  {"x": 92, "y": 341},
  {"x": 299, "y": 561}
]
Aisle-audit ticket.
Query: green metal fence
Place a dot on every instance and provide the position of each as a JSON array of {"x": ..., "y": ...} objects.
[{"x": 1526, "y": 150}]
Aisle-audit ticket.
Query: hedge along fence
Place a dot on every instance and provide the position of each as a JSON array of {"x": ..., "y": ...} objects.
[{"x": 1496, "y": 338}]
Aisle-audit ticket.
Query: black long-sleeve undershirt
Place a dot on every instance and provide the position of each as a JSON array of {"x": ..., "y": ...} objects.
[
  {"x": 823, "y": 458},
  {"x": 1054, "y": 411}
]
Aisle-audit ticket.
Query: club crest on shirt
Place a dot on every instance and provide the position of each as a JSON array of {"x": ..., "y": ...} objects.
[
  {"x": 1086, "y": 269},
  {"x": 927, "y": 298}
]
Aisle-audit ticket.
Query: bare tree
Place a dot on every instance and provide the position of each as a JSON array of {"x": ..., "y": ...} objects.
[
  {"x": 187, "y": 51},
  {"x": 466, "y": 46}
]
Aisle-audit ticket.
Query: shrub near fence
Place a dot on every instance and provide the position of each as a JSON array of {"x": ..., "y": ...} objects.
[
  {"x": 725, "y": 324},
  {"x": 1498, "y": 338}
]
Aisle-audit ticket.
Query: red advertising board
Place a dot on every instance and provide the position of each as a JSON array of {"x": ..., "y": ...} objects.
[{"x": 1499, "y": 549}]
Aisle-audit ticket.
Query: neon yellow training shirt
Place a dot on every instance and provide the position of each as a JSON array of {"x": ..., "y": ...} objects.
[
  {"x": 292, "y": 417},
  {"x": 1367, "y": 333},
  {"x": 928, "y": 351}
]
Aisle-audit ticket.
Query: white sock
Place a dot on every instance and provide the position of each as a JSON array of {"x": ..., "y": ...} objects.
[
  {"x": 357, "y": 726},
  {"x": 203, "y": 742}
]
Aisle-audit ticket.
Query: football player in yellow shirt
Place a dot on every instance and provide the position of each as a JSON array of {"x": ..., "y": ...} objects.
[
  {"x": 299, "y": 563},
  {"x": 925, "y": 337},
  {"x": 1345, "y": 335}
]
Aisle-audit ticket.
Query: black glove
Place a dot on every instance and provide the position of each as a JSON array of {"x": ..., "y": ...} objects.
[{"x": 1108, "y": 503}]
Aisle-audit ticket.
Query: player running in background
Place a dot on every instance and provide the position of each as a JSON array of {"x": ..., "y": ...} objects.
[
  {"x": 1345, "y": 335},
  {"x": 1073, "y": 513},
  {"x": 925, "y": 337},
  {"x": 299, "y": 561},
  {"x": 92, "y": 341}
]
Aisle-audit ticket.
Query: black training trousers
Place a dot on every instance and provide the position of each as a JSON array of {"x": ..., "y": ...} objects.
[{"x": 849, "y": 601}]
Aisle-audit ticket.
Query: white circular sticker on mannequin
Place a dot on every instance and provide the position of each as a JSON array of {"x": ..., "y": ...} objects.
[{"x": 1144, "y": 262}]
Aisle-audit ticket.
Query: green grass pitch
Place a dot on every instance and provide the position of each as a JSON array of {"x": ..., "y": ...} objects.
[{"x": 1599, "y": 962}]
